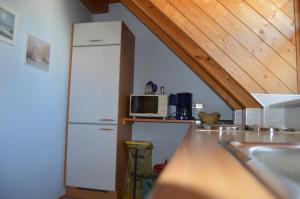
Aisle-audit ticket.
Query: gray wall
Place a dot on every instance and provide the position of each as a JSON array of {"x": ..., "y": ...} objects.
[
  {"x": 154, "y": 61},
  {"x": 33, "y": 102}
]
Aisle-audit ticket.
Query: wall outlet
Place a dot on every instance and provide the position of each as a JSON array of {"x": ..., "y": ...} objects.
[{"x": 197, "y": 106}]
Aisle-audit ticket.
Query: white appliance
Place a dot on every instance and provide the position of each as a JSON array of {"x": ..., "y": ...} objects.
[
  {"x": 98, "y": 82},
  {"x": 149, "y": 106}
]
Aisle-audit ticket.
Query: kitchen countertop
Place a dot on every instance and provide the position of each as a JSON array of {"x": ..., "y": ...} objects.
[{"x": 203, "y": 168}]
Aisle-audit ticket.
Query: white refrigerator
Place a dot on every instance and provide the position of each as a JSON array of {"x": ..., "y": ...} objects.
[{"x": 93, "y": 117}]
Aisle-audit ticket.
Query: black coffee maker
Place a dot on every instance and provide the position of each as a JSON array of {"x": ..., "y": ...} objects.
[{"x": 184, "y": 106}]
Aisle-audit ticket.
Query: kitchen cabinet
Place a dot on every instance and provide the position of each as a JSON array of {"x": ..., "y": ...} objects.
[
  {"x": 92, "y": 156},
  {"x": 101, "y": 78},
  {"x": 95, "y": 34},
  {"x": 95, "y": 84}
]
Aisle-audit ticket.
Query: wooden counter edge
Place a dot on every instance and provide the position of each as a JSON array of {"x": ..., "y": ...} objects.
[{"x": 201, "y": 169}]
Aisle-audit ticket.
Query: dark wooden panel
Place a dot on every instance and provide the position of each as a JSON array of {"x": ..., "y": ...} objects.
[
  {"x": 96, "y": 6},
  {"x": 125, "y": 89}
]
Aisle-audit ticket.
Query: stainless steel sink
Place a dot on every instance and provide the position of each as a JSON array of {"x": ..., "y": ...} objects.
[{"x": 276, "y": 165}]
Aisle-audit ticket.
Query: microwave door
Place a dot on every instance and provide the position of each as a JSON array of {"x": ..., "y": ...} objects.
[{"x": 144, "y": 104}]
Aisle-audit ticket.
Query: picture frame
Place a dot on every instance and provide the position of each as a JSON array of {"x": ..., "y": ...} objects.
[
  {"x": 37, "y": 52},
  {"x": 8, "y": 25}
]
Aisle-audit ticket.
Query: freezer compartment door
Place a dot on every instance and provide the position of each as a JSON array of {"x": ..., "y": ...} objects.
[{"x": 91, "y": 156}]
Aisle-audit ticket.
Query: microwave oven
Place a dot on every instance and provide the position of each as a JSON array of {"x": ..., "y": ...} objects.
[{"x": 149, "y": 106}]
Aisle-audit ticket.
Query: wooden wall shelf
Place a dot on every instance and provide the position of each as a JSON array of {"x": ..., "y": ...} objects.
[{"x": 151, "y": 120}]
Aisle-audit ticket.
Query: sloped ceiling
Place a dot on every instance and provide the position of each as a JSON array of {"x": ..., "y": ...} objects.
[
  {"x": 238, "y": 47},
  {"x": 253, "y": 40}
]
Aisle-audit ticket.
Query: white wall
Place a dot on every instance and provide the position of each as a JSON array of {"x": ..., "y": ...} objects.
[
  {"x": 33, "y": 102},
  {"x": 292, "y": 117},
  {"x": 154, "y": 61},
  {"x": 280, "y": 110}
]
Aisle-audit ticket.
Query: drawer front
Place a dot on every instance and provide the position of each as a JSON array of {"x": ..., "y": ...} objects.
[
  {"x": 93, "y": 34},
  {"x": 91, "y": 156}
]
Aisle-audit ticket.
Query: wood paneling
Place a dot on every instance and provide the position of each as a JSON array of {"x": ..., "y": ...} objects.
[
  {"x": 262, "y": 28},
  {"x": 210, "y": 47},
  {"x": 249, "y": 40},
  {"x": 236, "y": 33},
  {"x": 199, "y": 21},
  {"x": 196, "y": 53},
  {"x": 287, "y": 6},
  {"x": 225, "y": 95},
  {"x": 275, "y": 16}
]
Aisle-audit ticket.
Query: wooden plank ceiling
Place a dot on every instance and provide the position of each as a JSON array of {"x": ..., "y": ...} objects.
[{"x": 238, "y": 47}]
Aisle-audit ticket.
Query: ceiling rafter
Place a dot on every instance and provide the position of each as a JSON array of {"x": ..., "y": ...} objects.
[{"x": 98, "y": 6}]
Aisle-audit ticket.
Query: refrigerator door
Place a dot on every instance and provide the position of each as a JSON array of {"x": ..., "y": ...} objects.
[
  {"x": 94, "y": 91},
  {"x": 91, "y": 156}
]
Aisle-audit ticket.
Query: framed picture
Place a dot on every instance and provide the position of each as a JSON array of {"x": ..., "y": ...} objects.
[
  {"x": 8, "y": 21},
  {"x": 37, "y": 53}
]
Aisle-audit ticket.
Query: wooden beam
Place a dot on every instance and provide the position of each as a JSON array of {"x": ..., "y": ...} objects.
[
  {"x": 297, "y": 29},
  {"x": 189, "y": 48},
  {"x": 183, "y": 55},
  {"x": 96, "y": 6}
]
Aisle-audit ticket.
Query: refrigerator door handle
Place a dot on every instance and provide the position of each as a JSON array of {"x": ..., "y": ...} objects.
[
  {"x": 95, "y": 40},
  {"x": 107, "y": 120},
  {"x": 106, "y": 129}
]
